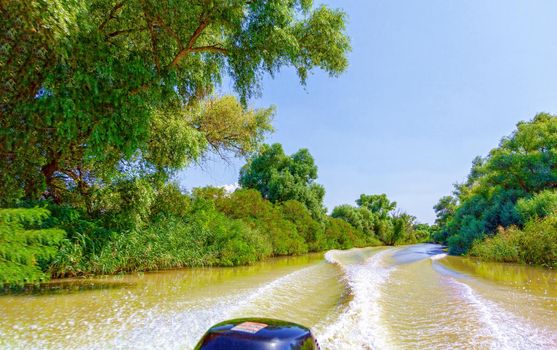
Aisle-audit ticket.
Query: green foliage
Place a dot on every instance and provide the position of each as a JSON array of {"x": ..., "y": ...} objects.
[
  {"x": 203, "y": 237},
  {"x": 89, "y": 85},
  {"x": 423, "y": 232},
  {"x": 535, "y": 244},
  {"x": 208, "y": 228},
  {"x": 26, "y": 247},
  {"x": 260, "y": 214},
  {"x": 502, "y": 189},
  {"x": 308, "y": 228},
  {"x": 378, "y": 204},
  {"x": 280, "y": 177},
  {"x": 375, "y": 218},
  {"x": 360, "y": 218},
  {"x": 445, "y": 209},
  {"x": 540, "y": 205},
  {"x": 103, "y": 101},
  {"x": 403, "y": 229},
  {"x": 340, "y": 234}
]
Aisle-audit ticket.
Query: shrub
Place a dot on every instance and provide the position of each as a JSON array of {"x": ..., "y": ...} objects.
[
  {"x": 204, "y": 237},
  {"x": 26, "y": 246},
  {"x": 535, "y": 244},
  {"x": 310, "y": 229},
  {"x": 539, "y": 206},
  {"x": 250, "y": 207}
]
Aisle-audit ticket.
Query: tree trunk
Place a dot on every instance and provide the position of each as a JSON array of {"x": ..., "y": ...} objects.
[{"x": 48, "y": 171}]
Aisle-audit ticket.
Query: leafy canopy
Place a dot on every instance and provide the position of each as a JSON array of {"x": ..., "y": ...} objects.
[
  {"x": 87, "y": 85},
  {"x": 498, "y": 187},
  {"x": 280, "y": 177}
]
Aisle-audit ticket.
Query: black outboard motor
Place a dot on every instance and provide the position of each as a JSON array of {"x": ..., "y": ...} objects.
[{"x": 257, "y": 334}]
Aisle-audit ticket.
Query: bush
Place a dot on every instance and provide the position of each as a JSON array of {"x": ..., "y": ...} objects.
[
  {"x": 204, "y": 237},
  {"x": 503, "y": 247},
  {"x": 535, "y": 244},
  {"x": 250, "y": 207},
  {"x": 26, "y": 246},
  {"x": 308, "y": 228},
  {"x": 539, "y": 206}
]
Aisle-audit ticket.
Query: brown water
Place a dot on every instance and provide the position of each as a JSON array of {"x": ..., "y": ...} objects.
[{"x": 411, "y": 297}]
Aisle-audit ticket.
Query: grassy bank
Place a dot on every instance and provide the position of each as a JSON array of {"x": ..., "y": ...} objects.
[
  {"x": 173, "y": 230},
  {"x": 534, "y": 244}
]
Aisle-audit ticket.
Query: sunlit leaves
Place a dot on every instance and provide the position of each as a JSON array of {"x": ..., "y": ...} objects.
[{"x": 88, "y": 82}]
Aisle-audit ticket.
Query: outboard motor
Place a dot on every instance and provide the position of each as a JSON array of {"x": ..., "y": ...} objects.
[{"x": 257, "y": 334}]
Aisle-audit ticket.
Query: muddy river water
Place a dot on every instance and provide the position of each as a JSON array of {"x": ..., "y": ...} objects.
[{"x": 411, "y": 297}]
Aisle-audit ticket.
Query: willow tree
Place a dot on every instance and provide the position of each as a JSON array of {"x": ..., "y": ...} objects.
[{"x": 86, "y": 85}]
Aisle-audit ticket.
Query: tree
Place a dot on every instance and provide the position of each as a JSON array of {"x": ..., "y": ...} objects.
[
  {"x": 524, "y": 164},
  {"x": 402, "y": 229},
  {"x": 540, "y": 205},
  {"x": 280, "y": 178},
  {"x": 87, "y": 85},
  {"x": 378, "y": 204},
  {"x": 444, "y": 209},
  {"x": 360, "y": 218}
]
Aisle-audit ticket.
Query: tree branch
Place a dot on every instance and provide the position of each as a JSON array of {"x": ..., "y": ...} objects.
[
  {"x": 171, "y": 32},
  {"x": 153, "y": 39},
  {"x": 190, "y": 44},
  {"x": 209, "y": 48},
  {"x": 112, "y": 14}
]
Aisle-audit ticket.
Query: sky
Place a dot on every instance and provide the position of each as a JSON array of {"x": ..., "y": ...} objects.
[{"x": 430, "y": 85}]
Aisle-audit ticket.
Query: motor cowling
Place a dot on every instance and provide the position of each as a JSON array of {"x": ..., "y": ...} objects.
[{"x": 257, "y": 334}]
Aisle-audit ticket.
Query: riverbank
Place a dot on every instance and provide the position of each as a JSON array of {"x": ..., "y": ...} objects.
[{"x": 208, "y": 228}]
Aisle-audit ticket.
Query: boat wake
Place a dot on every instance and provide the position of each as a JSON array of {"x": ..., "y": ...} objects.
[
  {"x": 502, "y": 329},
  {"x": 181, "y": 329},
  {"x": 359, "y": 325}
]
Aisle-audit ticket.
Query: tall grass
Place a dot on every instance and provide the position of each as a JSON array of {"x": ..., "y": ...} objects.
[{"x": 535, "y": 244}]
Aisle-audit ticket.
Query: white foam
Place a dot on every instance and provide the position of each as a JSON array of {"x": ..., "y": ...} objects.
[
  {"x": 183, "y": 328},
  {"x": 438, "y": 256},
  {"x": 504, "y": 330},
  {"x": 360, "y": 325}
]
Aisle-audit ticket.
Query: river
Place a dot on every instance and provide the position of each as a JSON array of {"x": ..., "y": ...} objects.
[{"x": 411, "y": 297}]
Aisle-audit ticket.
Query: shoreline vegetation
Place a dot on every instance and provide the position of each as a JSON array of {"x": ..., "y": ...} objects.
[
  {"x": 170, "y": 228},
  {"x": 119, "y": 98},
  {"x": 506, "y": 210}
]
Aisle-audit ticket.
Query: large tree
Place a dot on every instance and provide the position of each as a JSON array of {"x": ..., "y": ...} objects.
[
  {"x": 87, "y": 85},
  {"x": 280, "y": 177},
  {"x": 523, "y": 165}
]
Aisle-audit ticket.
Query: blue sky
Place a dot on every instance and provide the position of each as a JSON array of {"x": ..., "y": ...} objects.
[{"x": 431, "y": 84}]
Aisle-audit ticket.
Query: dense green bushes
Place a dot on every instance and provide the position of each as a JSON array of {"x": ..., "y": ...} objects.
[
  {"x": 141, "y": 223},
  {"x": 207, "y": 228},
  {"x": 535, "y": 244},
  {"x": 205, "y": 237},
  {"x": 499, "y": 212},
  {"x": 540, "y": 205}
]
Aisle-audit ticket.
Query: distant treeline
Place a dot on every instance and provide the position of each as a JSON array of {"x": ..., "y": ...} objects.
[{"x": 506, "y": 210}]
